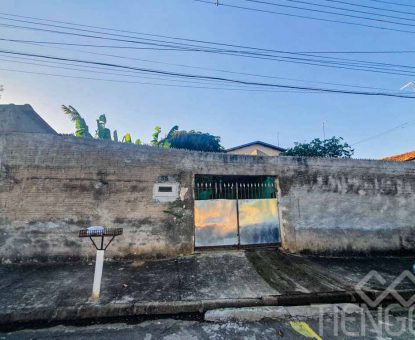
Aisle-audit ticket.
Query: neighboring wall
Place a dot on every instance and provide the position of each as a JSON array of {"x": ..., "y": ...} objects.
[{"x": 51, "y": 186}]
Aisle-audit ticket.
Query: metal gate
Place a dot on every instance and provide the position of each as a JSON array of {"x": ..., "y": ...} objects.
[{"x": 233, "y": 211}]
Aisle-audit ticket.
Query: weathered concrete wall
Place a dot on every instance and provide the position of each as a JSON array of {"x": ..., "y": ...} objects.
[
  {"x": 346, "y": 205},
  {"x": 51, "y": 186}
]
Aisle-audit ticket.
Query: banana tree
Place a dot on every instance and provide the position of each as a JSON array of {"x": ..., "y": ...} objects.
[
  {"x": 102, "y": 132},
  {"x": 81, "y": 129}
]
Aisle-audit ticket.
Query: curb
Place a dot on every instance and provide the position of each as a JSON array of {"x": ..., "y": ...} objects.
[{"x": 97, "y": 311}]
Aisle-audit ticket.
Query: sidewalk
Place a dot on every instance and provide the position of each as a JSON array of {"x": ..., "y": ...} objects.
[{"x": 60, "y": 291}]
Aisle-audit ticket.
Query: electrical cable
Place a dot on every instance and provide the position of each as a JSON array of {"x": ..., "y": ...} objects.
[
  {"x": 326, "y": 12},
  {"x": 371, "y": 7},
  {"x": 158, "y": 84},
  {"x": 336, "y": 8},
  {"x": 169, "y": 37},
  {"x": 224, "y": 71},
  {"x": 392, "y": 3},
  {"x": 307, "y": 17},
  {"x": 193, "y": 76},
  {"x": 256, "y": 56},
  {"x": 400, "y": 126}
]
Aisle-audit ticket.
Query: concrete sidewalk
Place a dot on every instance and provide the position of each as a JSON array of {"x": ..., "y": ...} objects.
[{"x": 61, "y": 291}]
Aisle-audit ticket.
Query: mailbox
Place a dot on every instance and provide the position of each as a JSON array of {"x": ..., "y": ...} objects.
[{"x": 98, "y": 233}]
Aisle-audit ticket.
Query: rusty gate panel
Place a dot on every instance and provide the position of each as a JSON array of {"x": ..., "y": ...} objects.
[
  {"x": 258, "y": 221},
  {"x": 215, "y": 223},
  {"x": 235, "y": 210}
]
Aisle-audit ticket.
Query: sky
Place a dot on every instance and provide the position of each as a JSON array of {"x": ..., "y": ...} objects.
[{"x": 375, "y": 126}]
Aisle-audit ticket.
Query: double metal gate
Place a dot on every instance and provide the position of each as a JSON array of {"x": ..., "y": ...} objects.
[{"x": 232, "y": 211}]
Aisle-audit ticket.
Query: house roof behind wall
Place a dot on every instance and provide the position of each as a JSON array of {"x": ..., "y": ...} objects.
[
  {"x": 256, "y": 143},
  {"x": 22, "y": 118},
  {"x": 404, "y": 157}
]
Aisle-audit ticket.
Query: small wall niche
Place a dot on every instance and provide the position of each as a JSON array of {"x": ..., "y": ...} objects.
[
  {"x": 166, "y": 188},
  {"x": 166, "y": 192}
]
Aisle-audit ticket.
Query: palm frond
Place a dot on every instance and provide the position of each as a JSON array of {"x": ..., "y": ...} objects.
[{"x": 71, "y": 112}]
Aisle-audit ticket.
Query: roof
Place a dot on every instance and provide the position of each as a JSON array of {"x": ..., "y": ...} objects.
[
  {"x": 256, "y": 142},
  {"x": 22, "y": 118},
  {"x": 404, "y": 157}
]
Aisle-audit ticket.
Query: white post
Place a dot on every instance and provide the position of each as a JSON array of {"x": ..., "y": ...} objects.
[{"x": 98, "y": 274}]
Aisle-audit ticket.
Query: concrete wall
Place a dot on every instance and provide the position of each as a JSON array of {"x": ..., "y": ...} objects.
[{"x": 51, "y": 186}]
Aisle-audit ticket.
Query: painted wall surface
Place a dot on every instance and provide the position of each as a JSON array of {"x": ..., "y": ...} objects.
[{"x": 51, "y": 186}]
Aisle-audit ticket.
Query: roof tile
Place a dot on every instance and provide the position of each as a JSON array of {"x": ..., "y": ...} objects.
[{"x": 404, "y": 157}]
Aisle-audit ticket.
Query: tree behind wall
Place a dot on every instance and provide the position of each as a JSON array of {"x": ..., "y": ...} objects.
[
  {"x": 126, "y": 138},
  {"x": 155, "y": 137},
  {"x": 81, "y": 129},
  {"x": 102, "y": 132},
  {"x": 192, "y": 140},
  {"x": 328, "y": 148}
]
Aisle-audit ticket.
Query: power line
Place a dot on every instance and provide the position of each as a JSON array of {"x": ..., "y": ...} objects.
[
  {"x": 312, "y": 62},
  {"x": 136, "y": 40},
  {"x": 198, "y": 48},
  {"x": 176, "y": 38},
  {"x": 296, "y": 60},
  {"x": 371, "y": 7},
  {"x": 308, "y": 17},
  {"x": 210, "y": 50},
  {"x": 336, "y": 8},
  {"x": 292, "y": 15},
  {"x": 155, "y": 84},
  {"x": 193, "y": 76},
  {"x": 400, "y": 126},
  {"x": 134, "y": 47},
  {"x": 324, "y": 63},
  {"x": 171, "y": 37},
  {"x": 364, "y": 52},
  {"x": 326, "y": 12},
  {"x": 221, "y": 51},
  {"x": 226, "y": 71},
  {"x": 304, "y": 90},
  {"x": 88, "y": 67},
  {"x": 106, "y": 28},
  {"x": 392, "y": 3},
  {"x": 187, "y": 39},
  {"x": 88, "y": 45},
  {"x": 305, "y": 61}
]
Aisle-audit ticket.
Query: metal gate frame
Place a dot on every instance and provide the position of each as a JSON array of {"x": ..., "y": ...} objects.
[{"x": 237, "y": 190}]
